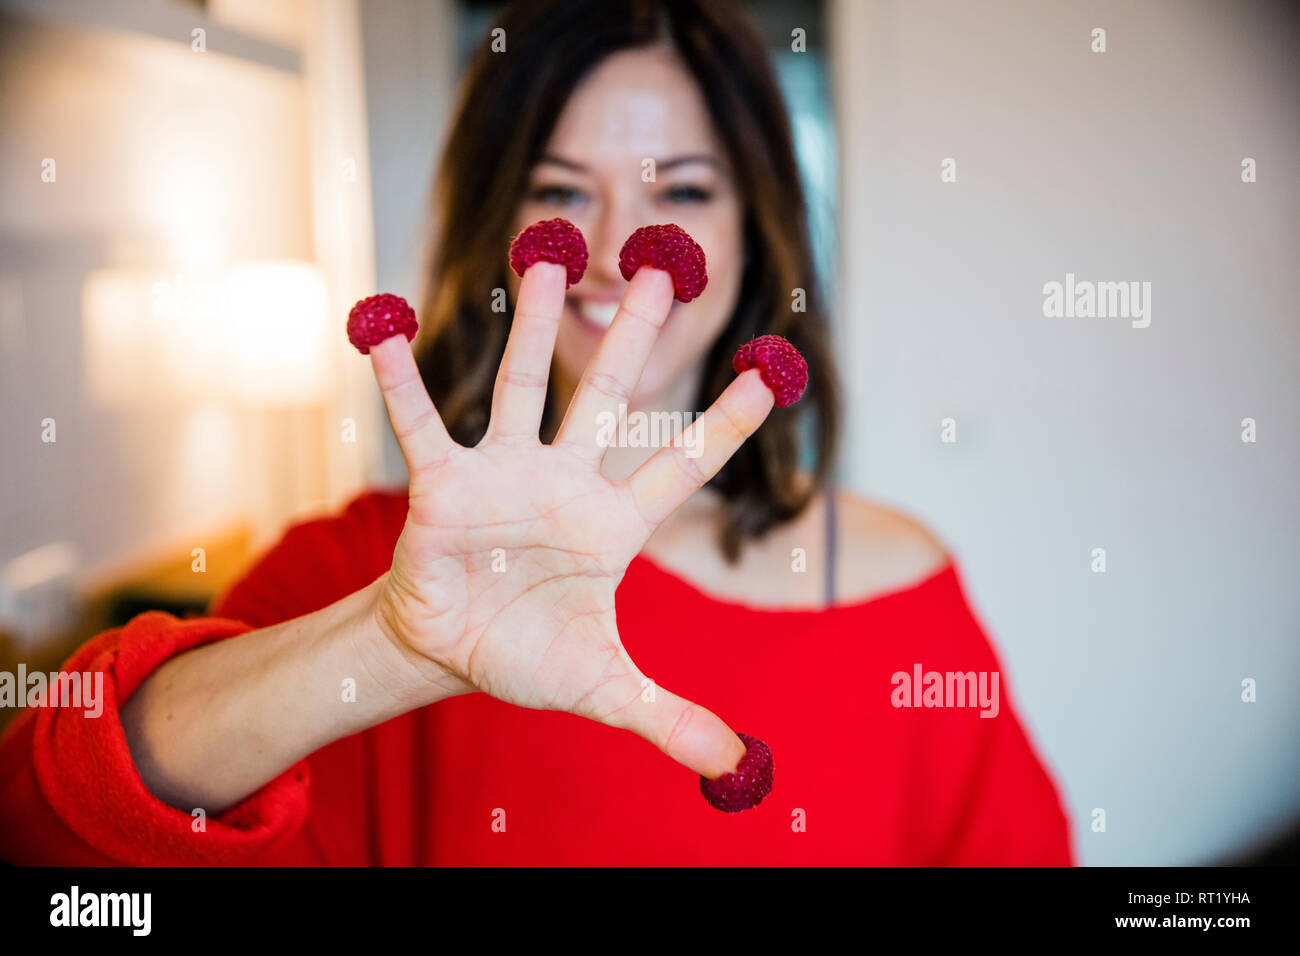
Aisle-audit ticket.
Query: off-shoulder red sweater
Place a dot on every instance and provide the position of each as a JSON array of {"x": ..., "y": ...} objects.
[{"x": 471, "y": 780}]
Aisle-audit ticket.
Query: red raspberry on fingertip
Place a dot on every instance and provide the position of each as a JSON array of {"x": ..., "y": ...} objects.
[
  {"x": 380, "y": 317},
  {"x": 551, "y": 240},
  {"x": 746, "y": 787},
  {"x": 670, "y": 248},
  {"x": 779, "y": 363}
]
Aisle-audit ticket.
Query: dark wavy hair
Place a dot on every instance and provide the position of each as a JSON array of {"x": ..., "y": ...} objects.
[{"x": 508, "y": 107}]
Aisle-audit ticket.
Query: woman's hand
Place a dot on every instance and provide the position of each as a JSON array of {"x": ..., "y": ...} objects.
[{"x": 504, "y": 576}]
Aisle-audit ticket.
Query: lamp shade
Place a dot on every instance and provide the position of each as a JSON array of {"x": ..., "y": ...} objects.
[
  {"x": 273, "y": 333},
  {"x": 256, "y": 334}
]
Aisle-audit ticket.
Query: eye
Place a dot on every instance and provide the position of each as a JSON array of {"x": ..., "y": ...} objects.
[
  {"x": 557, "y": 195},
  {"x": 686, "y": 194}
]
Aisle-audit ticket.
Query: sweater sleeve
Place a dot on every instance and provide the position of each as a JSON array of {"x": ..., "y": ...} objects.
[
  {"x": 70, "y": 793},
  {"x": 995, "y": 802}
]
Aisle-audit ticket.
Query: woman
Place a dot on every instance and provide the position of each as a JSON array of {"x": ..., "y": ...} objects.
[{"x": 327, "y": 713}]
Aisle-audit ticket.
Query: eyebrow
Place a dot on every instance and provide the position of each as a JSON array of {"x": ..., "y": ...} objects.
[{"x": 667, "y": 164}]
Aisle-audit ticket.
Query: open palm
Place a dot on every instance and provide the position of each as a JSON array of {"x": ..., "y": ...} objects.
[{"x": 505, "y": 572}]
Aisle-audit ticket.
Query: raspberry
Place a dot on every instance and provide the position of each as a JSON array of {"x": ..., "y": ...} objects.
[
  {"x": 779, "y": 363},
  {"x": 380, "y": 317},
  {"x": 666, "y": 247},
  {"x": 552, "y": 240},
  {"x": 748, "y": 785}
]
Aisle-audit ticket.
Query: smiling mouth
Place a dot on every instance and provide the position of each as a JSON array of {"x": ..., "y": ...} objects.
[
  {"x": 599, "y": 314},
  {"x": 597, "y": 317}
]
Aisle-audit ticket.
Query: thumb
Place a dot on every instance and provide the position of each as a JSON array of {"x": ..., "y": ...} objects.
[{"x": 688, "y": 733}]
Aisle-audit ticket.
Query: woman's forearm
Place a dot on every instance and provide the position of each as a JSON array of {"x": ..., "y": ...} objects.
[{"x": 214, "y": 724}]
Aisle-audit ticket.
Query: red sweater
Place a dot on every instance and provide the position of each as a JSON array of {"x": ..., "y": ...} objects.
[{"x": 472, "y": 780}]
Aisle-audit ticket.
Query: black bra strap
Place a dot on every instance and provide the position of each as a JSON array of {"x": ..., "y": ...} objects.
[{"x": 832, "y": 549}]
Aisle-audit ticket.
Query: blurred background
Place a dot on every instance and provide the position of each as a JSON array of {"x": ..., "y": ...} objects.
[{"x": 194, "y": 193}]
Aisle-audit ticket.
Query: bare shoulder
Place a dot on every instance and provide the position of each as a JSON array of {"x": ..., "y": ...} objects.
[
  {"x": 878, "y": 550},
  {"x": 881, "y": 549}
]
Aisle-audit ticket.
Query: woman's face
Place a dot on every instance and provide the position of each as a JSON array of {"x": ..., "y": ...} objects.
[{"x": 635, "y": 107}]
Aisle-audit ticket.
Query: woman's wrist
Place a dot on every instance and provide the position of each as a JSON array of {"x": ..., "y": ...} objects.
[
  {"x": 407, "y": 677},
  {"x": 216, "y": 723}
]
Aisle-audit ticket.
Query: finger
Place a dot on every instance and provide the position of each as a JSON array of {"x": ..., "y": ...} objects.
[
  {"x": 677, "y": 471},
  {"x": 688, "y": 733},
  {"x": 520, "y": 393},
  {"x": 614, "y": 371},
  {"x": 416, "y": 423}
]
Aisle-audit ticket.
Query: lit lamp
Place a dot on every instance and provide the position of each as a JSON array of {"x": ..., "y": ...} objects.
[
  {"x": 273, "y": 335},
  {"x": 244, "y": 352},
  {"x": 272, "y": 331},
  {"x": 256, "y": 334}
]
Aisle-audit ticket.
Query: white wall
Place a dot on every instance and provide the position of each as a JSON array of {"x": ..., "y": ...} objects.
[
  {"x": 162, "y": 156},
  {"x": 1074, "y": 434}
]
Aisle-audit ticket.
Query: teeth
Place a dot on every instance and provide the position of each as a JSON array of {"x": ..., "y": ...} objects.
[{"x": 599, "y": 313}]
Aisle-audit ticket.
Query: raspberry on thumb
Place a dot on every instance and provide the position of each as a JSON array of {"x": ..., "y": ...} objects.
[{"x": 746, "y": 787}]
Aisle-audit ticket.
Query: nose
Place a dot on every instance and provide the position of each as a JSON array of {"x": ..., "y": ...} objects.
[{"x": 618, "y": 219}]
